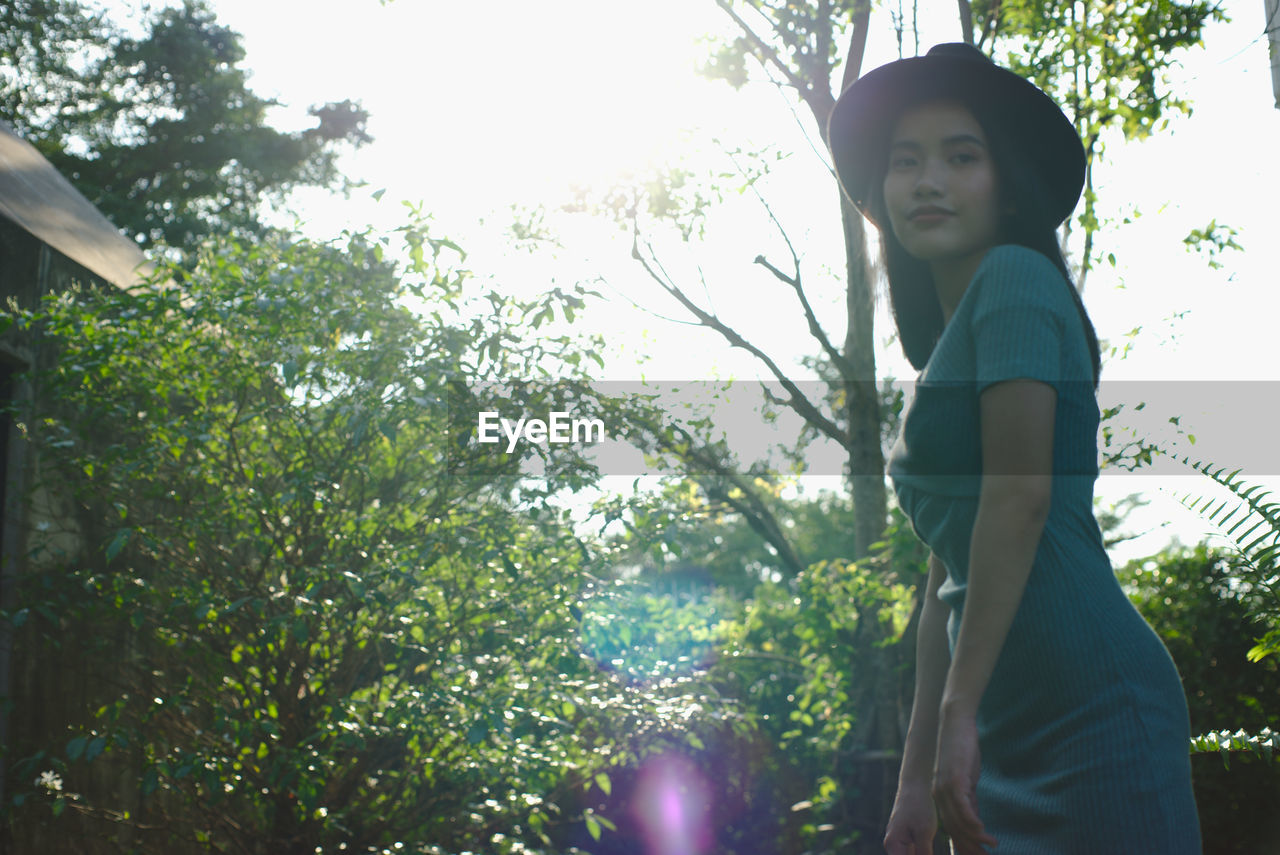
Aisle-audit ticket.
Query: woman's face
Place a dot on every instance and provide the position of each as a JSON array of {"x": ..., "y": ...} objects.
[{"x": 938, "y": 157}]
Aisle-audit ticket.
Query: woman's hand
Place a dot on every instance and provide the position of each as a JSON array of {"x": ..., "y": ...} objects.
[
  {"x": 912, "y": 824},
  {"x": 955, "y": 783}
]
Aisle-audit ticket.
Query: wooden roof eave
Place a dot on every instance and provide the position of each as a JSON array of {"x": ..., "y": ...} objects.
[{"x": 41, "y": 201}]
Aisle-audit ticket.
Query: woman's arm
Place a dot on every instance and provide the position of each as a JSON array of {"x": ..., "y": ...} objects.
[
  {"x": 1017, "y": 479},
  {"x": 914, "y": 821},
  {"x": 932, "y": 659}
]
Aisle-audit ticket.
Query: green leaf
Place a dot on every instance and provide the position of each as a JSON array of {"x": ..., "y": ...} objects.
[
  {"x": 593, "y": 826},
  {"x": 1260, "y": 651},
  {"x": 76, "y": 747},
  {"x": 150, "y": 781},
  {"x": 477, "y": 732},
  {"x": 603, "y": 782},
  {"x": 117, "y": 543}
]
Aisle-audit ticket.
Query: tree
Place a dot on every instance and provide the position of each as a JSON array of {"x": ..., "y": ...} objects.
[
  {"x": 289, "y": 599},
  {"x": 798, "y": 46},
  {"x": 161, "y": 131}
]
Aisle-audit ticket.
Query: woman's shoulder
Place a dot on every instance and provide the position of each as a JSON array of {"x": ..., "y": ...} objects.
[
  {"x": 1017, "y": 260},
  {"x": 1015, "y": 274}
]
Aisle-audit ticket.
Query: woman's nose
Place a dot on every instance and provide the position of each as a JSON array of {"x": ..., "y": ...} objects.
[{"x": 929, "y": 180}]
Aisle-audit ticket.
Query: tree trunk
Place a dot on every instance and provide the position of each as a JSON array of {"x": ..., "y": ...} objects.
[
  {"x": 1273, "y": 43},
  {"x": 866, "y": 459},
  {"x": 966, "y": 20}
]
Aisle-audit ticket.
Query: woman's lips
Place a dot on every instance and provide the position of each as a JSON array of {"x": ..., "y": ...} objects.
[{"x": 930, "y": 217}]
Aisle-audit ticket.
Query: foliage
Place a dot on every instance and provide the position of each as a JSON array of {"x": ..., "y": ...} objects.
[
  {"x": 1105, "y": 63},
  {"x": 687, "y": 529},
  {"x": 1253, "y": 525},
  {"x": 1263, "y": 744},
  {"x": 791, "y": 669},
  {"x": 1208, "y": 622},
  {"x": 822, "y": 664},
  {"x": 1211, "y": 241},
  {"x": 671, "y": 192},
  {"x": 160, "y": 131},
  {"x": 320, "y": 613},
  {"x": 1122, "y": 51},
  {"x": 803, "y": 37},
  {"x": 804, "y": 658}
]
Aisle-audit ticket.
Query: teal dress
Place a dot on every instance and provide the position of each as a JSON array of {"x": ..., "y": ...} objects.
[{"x": 1083, "y": 727}]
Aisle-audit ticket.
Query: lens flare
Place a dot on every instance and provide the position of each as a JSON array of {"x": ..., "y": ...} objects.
[{"x": 672, "y": 807}]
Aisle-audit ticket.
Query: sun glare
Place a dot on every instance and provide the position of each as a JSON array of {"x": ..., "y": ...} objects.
[
  {"x": 473, "y": 103},
  {"x": 576, "y": 92}
]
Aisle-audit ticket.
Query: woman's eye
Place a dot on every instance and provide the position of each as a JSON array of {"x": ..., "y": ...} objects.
[
  {"x": 963, "y": 157},
  {"x": 900, "y": 162}
]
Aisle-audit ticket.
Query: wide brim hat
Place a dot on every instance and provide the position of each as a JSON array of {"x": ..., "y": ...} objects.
[{"x": 860, "y": 122}]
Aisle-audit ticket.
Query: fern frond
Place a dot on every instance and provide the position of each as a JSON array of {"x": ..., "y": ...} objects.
[
  {"x": 1262, "y": 744},
  {"x": 1259, "y": 543},
  {"x": 1258, "y": 546}
]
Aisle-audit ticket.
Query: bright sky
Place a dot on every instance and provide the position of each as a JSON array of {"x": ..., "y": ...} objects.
[{"x": 480, "y": 106}]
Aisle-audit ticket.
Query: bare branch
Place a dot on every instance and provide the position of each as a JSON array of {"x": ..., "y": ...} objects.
[
  {"x": 736, "y": 491},
  {"x": 801, "y": 404},
  {"x": 765, "y": 263},
  {"x": 820, "y": 151},
  {"x": 761, "y": 521},
  {"x": 702, "y": 277},
  {"x": 646, "y": 309},
  {"x": 815, "y": 328},
  {"x": 769, "y": 53}
]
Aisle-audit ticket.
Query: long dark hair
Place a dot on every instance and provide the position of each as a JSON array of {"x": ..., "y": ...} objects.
[{"x": 912, "y": 296}]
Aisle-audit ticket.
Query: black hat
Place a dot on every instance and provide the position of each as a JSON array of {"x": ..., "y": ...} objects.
[{"x": 859, "y": 125}]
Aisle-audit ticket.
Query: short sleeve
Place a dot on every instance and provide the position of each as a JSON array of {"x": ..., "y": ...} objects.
[{"x": 1019, "y": 318}]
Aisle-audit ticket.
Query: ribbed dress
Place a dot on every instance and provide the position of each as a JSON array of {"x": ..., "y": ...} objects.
[{"x": 1083, "y": 727}]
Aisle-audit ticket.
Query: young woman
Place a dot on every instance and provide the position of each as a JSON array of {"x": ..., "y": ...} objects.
[{"x": 1048, "y": 717}]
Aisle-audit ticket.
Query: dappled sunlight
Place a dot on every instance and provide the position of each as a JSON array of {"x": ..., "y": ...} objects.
[{"x": 646, "y": 634}]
